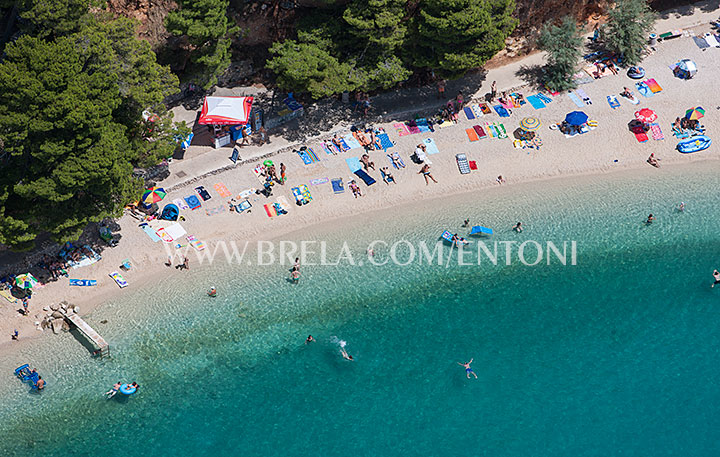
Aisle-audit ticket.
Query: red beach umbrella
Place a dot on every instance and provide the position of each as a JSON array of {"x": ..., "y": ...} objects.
[{"x": 646, "y": 115}]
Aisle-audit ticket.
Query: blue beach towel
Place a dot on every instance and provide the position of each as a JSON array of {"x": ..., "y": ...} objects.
[
  {"x": 307, "y": 160},
  {"x": 613, "y": 101},
  {"x": 431, "y": 146},
  {"x": 193, "y": 202},
  {"x": 535, "y": 102},
  {"x": 700, "y": 42},
  {"x": 351, "y": 141},
  {"x": 83, "y": 282},
  {"x": 544, "y": 98},
  {"x": 385, "y": 141},
  {"x": 469, "y": 113},
  {"x": 501, "y": 111},
  {"x": 400, "y": 160},
  {"x": 422, "y": 124},
  {"x": 367, "y": 179},
  {"x": 150, "y": 232},
  {"x": 338, "y": 186},
  {"x": 644, "y": 89},
  {"x": 576, "y": 100},
  {"x": 353, "y": 164}
]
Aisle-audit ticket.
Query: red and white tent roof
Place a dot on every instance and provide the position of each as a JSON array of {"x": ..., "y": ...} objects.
[{"x": 225, "y": 110}]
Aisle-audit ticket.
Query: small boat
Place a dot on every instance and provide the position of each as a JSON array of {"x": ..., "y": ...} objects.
[
  {"x": 694, "y": 144},
  {"x": 448, "y": 238},
  {"x": 479, "y": 230}
]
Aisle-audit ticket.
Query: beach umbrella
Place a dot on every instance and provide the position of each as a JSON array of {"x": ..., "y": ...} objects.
[
  {"x": 153, "y": 195},
  {"x": 576, "y": 118},
  {"x": 646, "y": 115},
  {"x": 26, "y": 281},
  {"x": 695, "y": 113},
  {"x": 530, "y": 124}
]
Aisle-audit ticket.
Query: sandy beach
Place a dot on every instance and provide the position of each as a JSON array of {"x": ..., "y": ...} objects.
[{"x": 608, "y": 148}]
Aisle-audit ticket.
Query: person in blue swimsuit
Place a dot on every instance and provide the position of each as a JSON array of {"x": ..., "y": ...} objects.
[{"x": 468, "y": 370}]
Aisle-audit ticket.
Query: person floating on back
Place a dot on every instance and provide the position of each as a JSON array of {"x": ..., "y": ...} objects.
[
  {"x": 716, "y": 276},
  {"x": 468, "y": 370}
]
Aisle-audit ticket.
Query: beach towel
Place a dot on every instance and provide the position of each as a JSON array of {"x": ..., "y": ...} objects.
[
  {"x": 657, "y": 133},
  {"x": 175, "y": 230},
  {"x": 353, "y": 164},
  {"x": 215, "y": 210},
  {"x": 613, "y": 101},
  {"x": 490, "y": 129},
  {"x": 193, "y": 202},
  {"x": 399, "y": 162},
  {"x": 367, "y": 179},
  {"x": 576, "y": 100},
  {"x": 501, "y": 111},
  {"x": 180, "y": 203},
  {"x": 242, "y": 206},
  {"x": 258, "y": 172},
  {"x": 401, "y": 129},
  {"x": 385, "y": 142},
  {"x": 508, "y": 105},
  {"x": 195, "y": 243},
  {"x": 700, "y": 42},
  {"x": 473, "y": 165},
  {"x": 282, "y": 204},
  {"x": 653, "y": 85},
  {"x": 485, "y": 108},
  {"x": 351, "y": 141},
  {"x": 462, "y": 163},
  {"x": 480, "y": 132},
  {"x": 337, "y": 186},
  {"x": 150, "y": 232},
  {"x": 500, "y": 128},
  {"x": 472, "y": 135},
  {"x": 203, "y": 193},
  {"x": 431, "y": 146},
  {"x": 544, "y": 98},
  {"x": 307, "y": 160},
  {"x": 413, "y": 128},
  {"x": 641, "y": 137},
  {"x": 476, "y": 110},
  {"x": 222, "y": 190},
  {"x": 585, "y": 97},
  {"x": 269, "y": 209},
  {"x": 119, "y": 280},
  {"x": 422, "y": 124},
  {"x": 711, "y": 40},
  {"x": 83, "y": 282},
  {"x": 644, "y": 89},
  {"x": 8, "y": 296},
  {"x": 302, "y": 194},
  {"x": 328, "y": 148},
  {"x": 318, "y": 181},
  {"x": 469, "y": 113},
  {"x": 312, "y": 154},
  {"x": 535, "y": 102}
]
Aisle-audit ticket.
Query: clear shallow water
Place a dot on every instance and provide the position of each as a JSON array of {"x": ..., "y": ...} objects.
[{"x": 615, "y": 356}]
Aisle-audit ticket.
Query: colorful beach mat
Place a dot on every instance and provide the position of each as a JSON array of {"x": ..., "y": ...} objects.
[
  {"x": 653, "y": 85},
  {"x": 613, "y": 101},
  {"x": 401, "y": 129},
  {"x": 351, "y": 141},
  {"x": 83, "y": 282},
  {"x": 469, "y": 113},
  {"x": 385, "y": 142},
  {"x": 195, "y": 243},
  {"x": 502, "y": 112},
  {"x": 222, "y": 190},
  {"x": 657, "y": 133},
  {"x": 472, "y": 135},
  {"x": 480, "y": 132}
]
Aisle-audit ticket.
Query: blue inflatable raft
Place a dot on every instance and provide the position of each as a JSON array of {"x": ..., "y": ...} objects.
[{"x": 694, "y": 144}]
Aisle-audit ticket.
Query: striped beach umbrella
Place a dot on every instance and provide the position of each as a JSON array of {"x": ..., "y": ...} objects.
[
  {"x": 646, "y": 115},
  {"x": 26, "y": 281},
  {"x": 153, "y": 195},
  {"x": 695, "y": 113},
  {"x": 530, "y": 124}
]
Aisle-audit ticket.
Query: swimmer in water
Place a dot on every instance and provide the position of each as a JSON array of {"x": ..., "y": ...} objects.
[
  {"x": 295, "y": 276},
  {"x": 309, "y": 339},
  {"x": 212, "y": 292},
  {"x": 466, "y": 223},
  {"x": 468, "y": 370},
  {"x": 716, "y": 275},
  {"x": 681, "y": 207},
  {"x": 111, "y": 393},
  {"x": 518, "y": 227},
  {"x": 650, "y": 219},
  {"x": 345, "y": 355}
]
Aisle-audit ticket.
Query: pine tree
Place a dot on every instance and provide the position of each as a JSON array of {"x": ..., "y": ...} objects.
[
  {"x": 563, "y": 45},
  {"x": 626, "y": 32}
]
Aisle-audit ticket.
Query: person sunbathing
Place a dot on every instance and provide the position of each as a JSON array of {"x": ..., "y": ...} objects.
[
  {"x": 627, "y": 93},
  {"x": 425, "y": 171},
  {"x": 374, "y": 140},
  {"x": 365, "y": 159},
  {"x": 420, "y": 154},
  {"x": 355, "y": 189},
  {"x": 397, "y": 161},
  {"x": 338, "y": 144},
  {"x": 387, "y": 176},
  {"x": 362, "y": 139},
  {"x": 653, "y": 161}
]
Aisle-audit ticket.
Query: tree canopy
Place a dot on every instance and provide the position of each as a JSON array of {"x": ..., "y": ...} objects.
[
  {"x": 71, "y": 126},
  {"x": 626, "y": 32},
  {"x": 563, "y": 45}
]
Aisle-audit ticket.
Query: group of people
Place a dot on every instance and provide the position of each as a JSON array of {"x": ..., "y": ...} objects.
[
  {"x": 114, "y": 390},
  {"x": 295, "y": 271}
]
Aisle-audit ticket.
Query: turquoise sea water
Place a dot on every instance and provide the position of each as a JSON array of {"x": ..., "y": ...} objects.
[{"x": 617, "y": 355}]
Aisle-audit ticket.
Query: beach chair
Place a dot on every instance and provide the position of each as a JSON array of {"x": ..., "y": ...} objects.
[{"x": 462, "y": 163}]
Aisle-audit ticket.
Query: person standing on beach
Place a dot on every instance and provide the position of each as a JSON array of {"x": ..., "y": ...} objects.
[
  {"x": 716, "y": 276},
  {"x": 441, "y": 89},
  {"x": 15, "y": 335},
  {"x": 500, "y": 180},
  {"x": 245, "y": 136},
  {"x": 493, "y": 91},
  {"x": 468, "y": 370},
  {"x": 282, "y": 173}
]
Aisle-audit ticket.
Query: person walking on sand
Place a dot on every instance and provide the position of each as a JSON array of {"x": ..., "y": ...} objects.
[
  {"x": 500, "y": 180},
  {"x": 468, "y": 370},
  {"x": 716, "y": 276},
  {"x": 425, "y": 171},
  {"x": 518, "y": 227}
]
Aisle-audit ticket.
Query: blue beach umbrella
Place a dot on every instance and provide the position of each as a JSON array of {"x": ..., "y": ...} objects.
[{"x": 576, "y": 118}]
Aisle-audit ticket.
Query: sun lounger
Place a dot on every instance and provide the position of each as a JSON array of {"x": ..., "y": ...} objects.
[
  {"x": 180, "y": 203},
  {"x": 462, "y": 163},
  {"x": 656, "y": 131},
  {"x": 585, "y": 97},
  {"x": 150, "y": 232},
  {"x": 401, "y": 129},
  {"x": 83, "y": 282},
  {"x": 613, "y": 101},
  {"x": 222, "y": 190},
  {"x": 203, "y": 193},
  {"x": 367, "y": 179},
  {"x": 469, "y": 113},
  {"x": 430, "y": 146},
  {"x": 193, "y": 202},
  {"x": 353, "y": 164},
  {"x": 535, "y": 102},
  {"x": 576, "y": 100},
  {"x": 480, "y": 132},
  {"x": 502, "y": 112},
  {"x": 653, "y": 85},
  {"x": 472, "y": 135},
  {"x": 385, "y": 142},
  {"x": 337, "y": 186},
  {"x": 351, "y": 141},
  {"x": 195, "y": 243},
  {"x": 119, "y": 280}
]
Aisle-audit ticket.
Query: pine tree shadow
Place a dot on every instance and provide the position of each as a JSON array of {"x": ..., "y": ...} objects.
[{"x": 531, "y": 74}]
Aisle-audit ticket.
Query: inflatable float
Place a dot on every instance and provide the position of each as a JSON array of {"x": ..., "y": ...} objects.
[
  {"x": 694, "y": 144},
  {"x": 448, "y": 238},
  {"x": 127, "y": 389}
]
